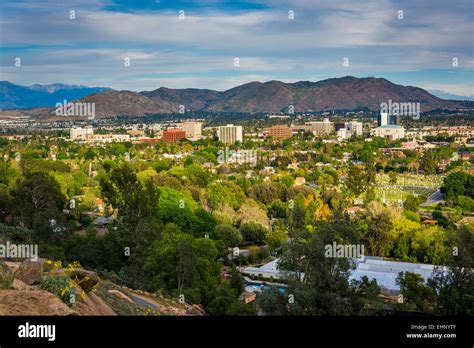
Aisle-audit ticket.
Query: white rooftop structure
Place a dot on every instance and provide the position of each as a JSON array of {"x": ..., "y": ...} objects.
[
  {"x": 386, "y": 272},
  {"x": 383, "y": 271},
  {"x": 269, "y": 270}
]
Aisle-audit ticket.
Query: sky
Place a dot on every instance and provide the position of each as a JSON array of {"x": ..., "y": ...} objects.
[{"x": 197, "y": 43}]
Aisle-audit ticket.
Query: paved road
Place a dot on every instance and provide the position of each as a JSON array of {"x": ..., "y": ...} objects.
[
  {"x": 435, "y": 198},
  {"x": 143, "y": 302}
]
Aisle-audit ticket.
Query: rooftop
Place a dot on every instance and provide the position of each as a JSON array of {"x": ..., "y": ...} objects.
[{"x": 390, "y": 126}]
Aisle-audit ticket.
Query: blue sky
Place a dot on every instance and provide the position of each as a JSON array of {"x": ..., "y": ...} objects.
[{"x": 199, "y": 50}]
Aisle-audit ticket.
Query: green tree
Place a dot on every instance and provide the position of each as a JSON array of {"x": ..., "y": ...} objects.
[
  {"x": 252, "y": 231},
  {"x": 455, "y": 285},
  {"x": 356, "y": 180},
  {"x": 38, "y": 204},
  {"x": 379, "y": 222},
  {"x": 458, "y": 184},
  {"x": 182, "y": 264},
  {"x": 229, "y": 235},
  {"x": 413, "y": 203},
  {"x": 415, "y": 292},
  {"x": 428, "y": 163},
  {"x": 393, "y": 177},
  {"x": 236, "y": 281},
  {"x": 277, "y": 238},
  {"x": 132, "y": 199}
]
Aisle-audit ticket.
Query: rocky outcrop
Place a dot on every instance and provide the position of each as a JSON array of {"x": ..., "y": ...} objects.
[
  {"x": 13, "y": 266},
  {"x": 32, "y": 302},
  {"x": 91, "y": 304},
  {"x": 93, "y": 297},
  {"x": 30, "y": 272},
  {"x": 195, "y": 310},
  {"x": 86, "y": 279},
  {"x": 17, "y": 284}
]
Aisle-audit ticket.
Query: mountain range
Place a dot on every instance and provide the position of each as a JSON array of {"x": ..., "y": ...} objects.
[
  {"x": 345, "y": 93},
  {"x": 446, "y": 95},
  {"x": 14, "y": 96}
]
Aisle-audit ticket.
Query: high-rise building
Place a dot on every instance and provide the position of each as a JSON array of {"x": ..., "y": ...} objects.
[
  {"x": 192, "y": 129},
  {"x": 79, "y": 133},
  {"x": 382, "y": 119},
  {"x": 394, "y": 120},
  {"x": 279, "y": 132},
  {"x": 230, "y": 134},
  {"x": 385, "y": 119},
  {"x": 173, "y": 135}
]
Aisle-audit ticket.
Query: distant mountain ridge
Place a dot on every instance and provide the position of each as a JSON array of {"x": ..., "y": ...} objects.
[
  {"x": 14, "y": 96},
  {"x": 345, "y": 93},
  {"x": 450, "y": 96}
]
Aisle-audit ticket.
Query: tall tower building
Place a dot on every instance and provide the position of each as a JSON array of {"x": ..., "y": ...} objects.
[
  {"x": 382, "y": 119},
  {"x": 230, "y": 134}
]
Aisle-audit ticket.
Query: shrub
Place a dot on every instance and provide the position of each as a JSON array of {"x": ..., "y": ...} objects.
[
  {"x": 6, "y": 280},
  {"x": 61, "y": 286}
]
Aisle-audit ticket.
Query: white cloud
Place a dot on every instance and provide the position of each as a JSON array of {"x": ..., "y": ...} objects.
[{"x": 201, "y": 47}]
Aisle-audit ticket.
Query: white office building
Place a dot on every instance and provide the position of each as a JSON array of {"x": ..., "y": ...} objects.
[
  {"x": 350, "y": 128},
  {"x": 382, "y": 119},
  {"x": 193, "y": 129},
  {"x": 354, "y": 126},
  {"x": 319, "y": 128},
  {"x": 230, "y": 134}
]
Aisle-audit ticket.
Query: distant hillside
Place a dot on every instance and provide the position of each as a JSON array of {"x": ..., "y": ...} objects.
[
  {"x": 446, "y": 95},
  {"x": 14, "y": 96},
  {"x": 190, "y": 98},
  {"x": 346, "y": 93}
]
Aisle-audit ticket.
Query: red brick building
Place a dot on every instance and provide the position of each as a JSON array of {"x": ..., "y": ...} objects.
[{"x": 173, "y": 135}]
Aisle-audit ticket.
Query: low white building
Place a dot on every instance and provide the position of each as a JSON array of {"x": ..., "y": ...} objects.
[
  {"x": 355, "y": 127},
  {"x": 343, "y": 134},
  {"x": 392, "y": 132},
  {"x": 110, "y": 138},
  {"x": 79, "y": 133}
]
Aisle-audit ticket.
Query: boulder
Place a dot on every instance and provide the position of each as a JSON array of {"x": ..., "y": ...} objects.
[
  {"x": 30, "y": 272},
  {"x": 195, "y": 310},
  {"x": 85, "y": 279},
  {"x": 17, "y": 284},
  {"x": 32, "y": 302},
  {"x": 92, "y": 304},
  {"x": 13, "y": 266},
  {"x": 47, "y": 267},
  {"x": 101, "y": 306}
]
